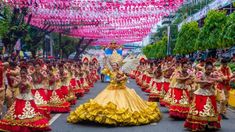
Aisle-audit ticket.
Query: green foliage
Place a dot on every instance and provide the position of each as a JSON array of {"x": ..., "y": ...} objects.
[
  {"x": 210, "y": 36},
  {"x": 67, "y": 45},
  {"x": 229, "y": 31},
  {"x": 187, "y": 37},
  {"x": 161, "y": 31},
  {"x": 157, "y": 50},
  {"x": 232, "y": 66},
  {"x": 190, "y": 9},
  {"x": 5, "y": 21}
]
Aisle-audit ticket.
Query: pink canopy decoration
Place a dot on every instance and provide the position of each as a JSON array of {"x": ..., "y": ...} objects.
[{"x": 123, "y": 21}]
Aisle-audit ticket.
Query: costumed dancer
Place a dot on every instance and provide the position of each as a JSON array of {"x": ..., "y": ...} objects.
[
  {"x": 2, "y": 85},
  {"x": 56, "y": 98},
  {"x": 203, "y": 112},
  {"x": 39, "y": 88},
  {"x": 140, "y": 70},
  {"x": 116, "y": 104},
  {"x": 85, "y": 70},
  {"x": 179, "y": 106},
  {"x": 157, "y": 89},
  {"x": 149, "y": 79},
  {"x": 75, "y": 81},
  {"x": 23, "y": 115},
  {"x": 12, "y": 89},
  {"x": 224, "y": 87},
  {"x": 168, "y": 70},
  {"x": 65, "y": 85},
  {"x": 95, "y": 69}
]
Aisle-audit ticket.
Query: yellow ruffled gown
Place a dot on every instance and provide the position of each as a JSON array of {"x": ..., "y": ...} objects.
[{"x": 116, "y": 105}]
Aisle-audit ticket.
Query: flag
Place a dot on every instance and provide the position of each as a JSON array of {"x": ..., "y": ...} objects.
[{"x": 17, "y": 46}]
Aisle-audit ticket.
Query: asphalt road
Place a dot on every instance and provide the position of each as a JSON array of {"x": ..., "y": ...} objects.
[{"x": 59, "y": 124}]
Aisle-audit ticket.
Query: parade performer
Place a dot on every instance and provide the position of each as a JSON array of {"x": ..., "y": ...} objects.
[
  {"x": 224, "y": 87},
  {"x": 2, "y": 85},
  {"x": 65, "y": 85},
  {"x": 75, "y": 83},
  {"x": 56, "y": 98},
  {"x": 179, "y": 106},
  {"x": 168, "y": 69},
  {"x": 157, "y": 88},
  {"x": 85, "y": 72},
  {"x": 139, "y": 76},
  {"x": 12, "y": 89},
  {"x": 149, "y": 79},
  {"x": 95, "y": 67},
  {"x": 203, "y": 109},
  {"x": 39, "y": 87},
  {"x": 116, "y": 104},
  {"x": 23, "y": 115}
]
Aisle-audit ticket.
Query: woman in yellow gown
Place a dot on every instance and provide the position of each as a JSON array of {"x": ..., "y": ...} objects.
[{"x": 116, "y": 104}]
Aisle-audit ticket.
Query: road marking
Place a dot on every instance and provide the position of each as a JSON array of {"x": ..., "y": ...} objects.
[
  {"x": 54, "y": 118},
  {"x": 153, "y": 124},
  {"x": 232, "y": 110}
]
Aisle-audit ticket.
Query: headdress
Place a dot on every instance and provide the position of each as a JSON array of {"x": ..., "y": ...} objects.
[
  {"x": 115, "y": 58},
  {"x": 183, "y": 60},
  {"x": 142, "y": 58},
  {"x": 94, "y": 59},
  {"x": 211, "y": 60},
  {"x": 85, "y": 58}
]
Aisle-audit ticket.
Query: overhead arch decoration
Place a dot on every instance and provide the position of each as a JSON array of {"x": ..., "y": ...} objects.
[{"x": 123, "y": 21}]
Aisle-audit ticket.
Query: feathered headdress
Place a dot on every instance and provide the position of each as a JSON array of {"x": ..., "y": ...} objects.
[{"x": 116, "y": 58}]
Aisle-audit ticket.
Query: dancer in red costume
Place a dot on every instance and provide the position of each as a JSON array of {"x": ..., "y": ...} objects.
[
  {"x": 95, "y": 69},
  {"x": 140, "y": 70},
  {"x": 39, "y": 88},
  {"x": 168, "y": 70},
  {"x": 23, "y": 115},
  {"x": 75, "y": 81},
  {"x": 57, "y": 100},
  {"x": 157, "y": 89},
  {"x": 85, "y": 72},
  {"x": 203, "y": 112},
  {"x": 224, "y": 87},
  {"x": 179, "y": 106},
  {"x": 149, "y": 78},
  {"x": 65, "y": 85}
]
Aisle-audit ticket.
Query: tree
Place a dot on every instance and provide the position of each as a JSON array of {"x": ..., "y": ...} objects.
[
  {"x": 186, "y": 39},
  {"x": 156, "y": 50},
  {"x": 82, "y": 45},
  {"x": 229, "y": 31},
  {"x": 210, "y": 36}
]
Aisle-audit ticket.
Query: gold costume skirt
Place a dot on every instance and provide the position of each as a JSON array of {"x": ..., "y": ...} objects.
[{"x": 117, "y": 105}]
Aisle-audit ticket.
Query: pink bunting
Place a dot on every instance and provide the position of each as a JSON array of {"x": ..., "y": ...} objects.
[{"x": 122, "y": 22}]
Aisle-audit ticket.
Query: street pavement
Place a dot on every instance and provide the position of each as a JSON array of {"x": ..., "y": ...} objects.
[{"x": 59, "y": 124}]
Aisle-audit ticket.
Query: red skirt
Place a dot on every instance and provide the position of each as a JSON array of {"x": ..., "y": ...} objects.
[
  {"x": 65, "y": 90},
  {"x": 147, "y": 84},
  {"x": 180, "y": 103},
  {"x": 84, "y": 85},
  {"x": 73, "y": 83},
  {"x": 41, "y": 98},
  {"x": 166, "y": 99},
  {"x": 18, "y": 118},
  {"x": 203, "y": 114},
  {"x": 142, "y": 80},
  {"x": 57, "y": 101},
  {"x": 156, "y": 92}
]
